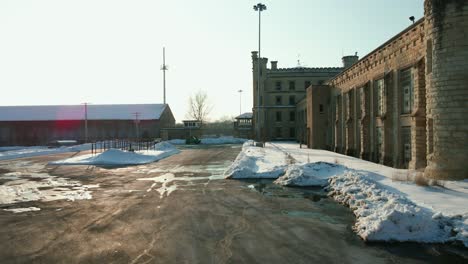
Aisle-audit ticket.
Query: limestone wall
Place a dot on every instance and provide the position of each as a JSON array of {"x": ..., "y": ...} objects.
[{"x": 447, "y": 88}]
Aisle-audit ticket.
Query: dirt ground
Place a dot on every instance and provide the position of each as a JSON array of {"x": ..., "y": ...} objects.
[{"x": 184, "y": 212}]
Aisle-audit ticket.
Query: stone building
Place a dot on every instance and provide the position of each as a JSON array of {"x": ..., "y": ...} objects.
[
  {"x": 38, "y": 125},
  {"x": 405, "y": 104},
  {"x": 274, "y": 111}
]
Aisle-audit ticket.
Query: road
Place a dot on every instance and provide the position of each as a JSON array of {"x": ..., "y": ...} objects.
[{"x": 180, "y": 210}]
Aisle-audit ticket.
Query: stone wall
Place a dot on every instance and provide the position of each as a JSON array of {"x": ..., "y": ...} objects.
[
  {"x": 447, "y": 88},
  {"x": 370, "y": 113}
]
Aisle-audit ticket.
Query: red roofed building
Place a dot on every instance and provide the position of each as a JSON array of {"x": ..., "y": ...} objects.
[{"x": 38, "y": 125}]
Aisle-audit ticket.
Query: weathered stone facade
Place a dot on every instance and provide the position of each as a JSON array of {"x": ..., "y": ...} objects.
[
  {"x": 405, "y": 104},
  {"x": 447, "y": 88},
  {"x": 274, "y": 111}
]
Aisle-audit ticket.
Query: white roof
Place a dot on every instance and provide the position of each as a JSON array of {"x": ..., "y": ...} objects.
[{"x": 77, "y": 112}]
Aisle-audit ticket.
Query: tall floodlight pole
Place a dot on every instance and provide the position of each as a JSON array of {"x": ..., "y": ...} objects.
[
  {"x": 240, "y": 102},
  {"x": 259, "y": 7},
  {"x": 164, "y": 69}
]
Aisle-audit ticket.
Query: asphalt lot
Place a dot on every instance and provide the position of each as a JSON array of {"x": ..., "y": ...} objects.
[{"x": 180, "y": 210}]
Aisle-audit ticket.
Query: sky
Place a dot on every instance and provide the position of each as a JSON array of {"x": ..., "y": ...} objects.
[{"x": 110, "y": 51}]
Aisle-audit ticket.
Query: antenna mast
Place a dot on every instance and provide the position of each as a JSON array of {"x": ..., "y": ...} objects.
[{"x": 164, "y": 69}]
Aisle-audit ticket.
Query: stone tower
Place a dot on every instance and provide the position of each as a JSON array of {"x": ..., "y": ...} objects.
[
  {"x": 258, "y": 100},
  {"x": 446, "y": 32}
]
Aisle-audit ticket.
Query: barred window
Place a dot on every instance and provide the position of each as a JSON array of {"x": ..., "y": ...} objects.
[
  {"x": 278, "y": 116},
  {"x": 380, "y": 93},
  {"x": 278, "y": 85},
  {"x": 292, "y": 85},
  {"x": 278, "y": 100},
  {"x": 292, "y": 116},
  {"x": 407, "y": 90}
]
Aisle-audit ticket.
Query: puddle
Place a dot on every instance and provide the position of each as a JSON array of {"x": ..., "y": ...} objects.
[
  {"x": 311, "y": 214},
  {"x": 268, "y": 188}
]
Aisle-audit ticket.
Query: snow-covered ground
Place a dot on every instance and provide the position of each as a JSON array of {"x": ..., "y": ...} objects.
[
  {"x": 386, "y": 209},
  {"x": 118, "y": 157},
  {"x": 7, "y": 153},
  {"x": 212, "y": 141}
]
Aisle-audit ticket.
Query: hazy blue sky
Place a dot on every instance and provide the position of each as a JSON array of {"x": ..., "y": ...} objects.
[{"x": 69, "y": 52}]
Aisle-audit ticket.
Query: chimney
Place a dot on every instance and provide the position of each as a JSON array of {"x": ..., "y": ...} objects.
[
  {"x": 350, "y": 60},
  {"x": 254, "y": 55},
  {"x": 274, "y": 65}
]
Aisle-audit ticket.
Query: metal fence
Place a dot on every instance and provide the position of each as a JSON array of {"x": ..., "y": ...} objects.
[{"x": 122, "y": 144}]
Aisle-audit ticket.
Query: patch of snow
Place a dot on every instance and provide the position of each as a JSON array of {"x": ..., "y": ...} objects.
[
  {"x": 310, "y": 174},
  {"x": 48, "y": 188},
  {"x": 22, "y": 210},
  {"x": 165, "y": 179},
  {"x": 257, "y": 162},
  {"x": 177, "y": 141},
  {"x": 119, "y": 157}
]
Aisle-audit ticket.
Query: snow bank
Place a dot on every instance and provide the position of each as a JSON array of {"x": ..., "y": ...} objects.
[
  {"x": 7, "y": 153},
  {"x": 383, "y": 215},
  {"x": 256, "y": 162},
  {"x": 119, "y": 157},
  {"x": 385, "y": 209},
  {"x": 310, "y": 174},
  {"x": 212, "y": 141}
]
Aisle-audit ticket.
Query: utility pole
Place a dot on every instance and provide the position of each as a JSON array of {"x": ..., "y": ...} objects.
[
  {"x": 137, "y": 122},
  {"x": 86, "y": 121},
  {"x": 259, "y": 7},
  {"x": 164, "y": 69},
  {"x": 240, "y": 102}
]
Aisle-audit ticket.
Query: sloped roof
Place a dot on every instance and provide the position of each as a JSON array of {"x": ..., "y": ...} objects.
[
  {"x": 245, "y": 116},
  {"x": 77, "y": 112}
]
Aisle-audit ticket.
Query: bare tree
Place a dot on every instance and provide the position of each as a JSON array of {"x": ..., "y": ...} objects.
[{"x": 199, "y": 106}]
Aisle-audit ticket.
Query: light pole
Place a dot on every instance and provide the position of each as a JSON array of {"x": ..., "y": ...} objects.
[
  {"x": 259, "y": 7},
  {"x": 164, "y": 68},
  {"x": 86, "y": 121},
  {"x": 240, "y": 102}
]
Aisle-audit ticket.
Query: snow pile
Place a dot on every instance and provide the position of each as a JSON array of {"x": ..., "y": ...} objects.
[
  {"x": 310, "y": 174},
  {"x": 383, "y": 215},
  {"x": 212, "y": 141},
  {"x": 386, "y": 207},
  {"x": 116, "y": 157},
  {"x": 256, "y": 162}
]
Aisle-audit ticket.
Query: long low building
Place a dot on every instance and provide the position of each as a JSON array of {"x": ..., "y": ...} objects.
[{"x": 38, "y": 125}]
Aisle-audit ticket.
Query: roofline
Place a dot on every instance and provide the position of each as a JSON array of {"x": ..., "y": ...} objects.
[{"x": 415, "y": 24}]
